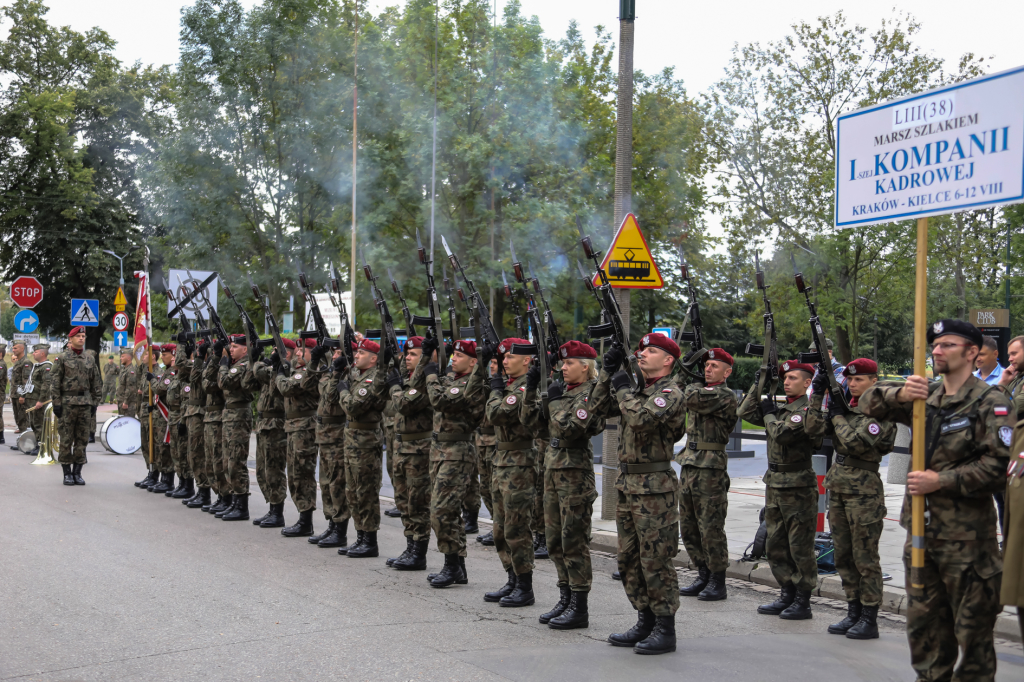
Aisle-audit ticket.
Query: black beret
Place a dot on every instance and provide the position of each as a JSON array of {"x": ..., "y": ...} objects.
[{"x": 955, "y": 328}]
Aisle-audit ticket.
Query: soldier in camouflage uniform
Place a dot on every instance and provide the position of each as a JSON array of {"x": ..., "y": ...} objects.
[
  {"x": 485, "y": 441},
  {"x": 969, "y": 431},
  {"x": 570, "y": 487},
  {"x": 1012, "y": 589},
  {"x": 110, "y": 372},
  {"x": 3, "y": 387},
  {"x": 514, "y": 474},
  {"x": 703, "y": 475},
  {"x": 363, "y": 399},
  {"x": 391, "y": 447},
  {"x": 410, "y": 463},
  {"x": 39, "y": 380},
  {"x": 236, "y": 425},
  {"x": 795, "y": 432},
  {"x": 176, "y": 397},
  {"x": 647, "y": 509},
  {"x": 160, "y": 380},
  {"x": 271, "y": 440},
  {"x": 301, "y": 397},
  {"x": 21, "y": 369},
  {"x": 213, "y": 428},
  {"x": 75, "y": 387},
  {"x": 330, "y": 436},
  {"x": 194, "y": 413},
  {"x": 857, "y": 501},
  {"x": 126, "y": 389}
]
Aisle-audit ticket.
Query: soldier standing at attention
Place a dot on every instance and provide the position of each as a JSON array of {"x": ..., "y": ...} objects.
[
  {"x": 160, "y": 380},
  {"x": 570, "y": 487},
  {"x": 795, "y": 432},
  {"x": 39, "y": 380},
  {"x": 363, "y": 399},
  {"x": 213, "y": 427},
  {"x": 300, "y": 404},
  {"x": 410, "y": 462},
  {"x": 21, "y": 369},
  {"x": 126, "y": 395},
  {"x": 176, "y": 398},
  {"x": 194, "y": 411},
  {"x": 647, "y": 509},
  {"x": 391, "y": 447},
  {"x": 110, "y": 371},
  {"x": 703, "y": 475},
  {"x": 271, "y": 440},
  {"x": 236, "y": 425},
  {"x": 75, "y": 387},
  {"x": 485, "y": 441},
  {"x": 3, "y": 387},
  {"x": 514, "y": 475},
  {"x": 968, "y": 434},
  {"x": 857, "y": 503}
]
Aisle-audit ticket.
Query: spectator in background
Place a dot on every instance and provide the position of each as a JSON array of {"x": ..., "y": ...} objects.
[{"x": 989, "y": 370}]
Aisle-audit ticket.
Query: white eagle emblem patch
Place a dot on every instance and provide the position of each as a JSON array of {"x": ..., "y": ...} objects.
[
  {"x": 297, "y": 377},
  {"x": 167, "y": 381},
  {"x": 660, "y": 402},
  {"x": 785, "y": 367},
  {"x": 1005, "y": 435},
  {"x": 937, "y": 327},
  {"x": 412, "y": 391},
  {"x": 582, "y": 414},
  {"x": 511, "y": 400},
  {"x": 187, "y": 389},
  {"x": 874, "y": 429},
  {"x": 851, "y": 369},
  {"x": 454, "y": 390},
  {"x": 361, "y": 391},
  {"x": 796, "y": 419}
]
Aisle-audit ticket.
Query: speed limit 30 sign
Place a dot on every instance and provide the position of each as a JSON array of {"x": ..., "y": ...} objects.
[{"x": 120, "y": 322}]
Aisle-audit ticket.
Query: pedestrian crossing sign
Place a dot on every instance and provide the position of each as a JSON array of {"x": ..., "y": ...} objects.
[
  {"x": 85, "y": 312},
  {"x": 628, "y": 263}
]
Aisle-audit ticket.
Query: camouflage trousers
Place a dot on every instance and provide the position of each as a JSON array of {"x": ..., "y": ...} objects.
[
  {"x": 703, "y": 503},
  {"x": 956, "y": 611},
  {"x": 450, "y": 479},
  {"x": 513, "y": 494},
  {"x": 302, "y": 468},
  {"x": 235, "y": 442},
  {"x": 214, "y": 461},
  {"x": 390, "y": 450},
  {"x": 648, "y": 541},
  {"x": 21, "y": 419},
  {"x": 537, "y": 521},
  {"x": 569, "y": 496},
  {"x": 271, "y": 464},
  {"x": 197, "y": 450},
  {"x": 412, "y": 479},
  {"x": 791, "y": 515},
  {"x": 161, "y": 450},
  {"x": 471, "y": 496},
  {"x": 179, "y": 451},
  {"x": 362, "y": 486},
  {"x": 483, "y": 466},
  {"x": 856, "y": 523},
  {"x": 332, "y": 482},
  {"x": 36, "y": 418},
  {"x": 74, "y": 427}
]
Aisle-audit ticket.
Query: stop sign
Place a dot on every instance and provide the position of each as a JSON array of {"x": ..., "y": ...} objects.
[{"x": 26, "y": 291}]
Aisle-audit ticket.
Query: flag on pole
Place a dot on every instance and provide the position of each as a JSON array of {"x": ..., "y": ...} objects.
[{"x": 141, "y": 316}]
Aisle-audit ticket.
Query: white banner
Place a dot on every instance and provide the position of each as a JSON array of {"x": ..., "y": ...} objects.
[
  {"x": 175, "y": 278},
  {"x": 951, "y": 149}
]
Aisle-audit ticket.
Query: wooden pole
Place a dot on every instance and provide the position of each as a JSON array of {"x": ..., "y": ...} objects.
[
  {"x": 918, "y": 424},
  {"x": 149, "y": 354}
]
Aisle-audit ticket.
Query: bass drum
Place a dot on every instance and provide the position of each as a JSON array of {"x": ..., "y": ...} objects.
[
  {"x": 121, "y": 435},
  {"x": 27, "y": 442}
]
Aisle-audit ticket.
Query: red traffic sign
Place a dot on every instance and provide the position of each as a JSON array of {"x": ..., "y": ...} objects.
[
  {"x": 120, "y": 322},
  {"x": 26, "y": 291}
]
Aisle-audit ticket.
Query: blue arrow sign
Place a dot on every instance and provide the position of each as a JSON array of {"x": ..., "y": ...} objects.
[
  {"x": 121, "y": 339},
  {"x": 85, "y": 311},
  {"x": 26, "y": 322}
]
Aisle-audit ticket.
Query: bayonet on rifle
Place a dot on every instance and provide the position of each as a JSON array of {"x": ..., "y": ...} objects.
[
  {"x": 820, "y": 356},
  {"x": 271, "y": 320},
  {"x": 348, "y": 335},
  {"x": 488, "y": 336},
  {"x": 695, "y": 337},
  {"x": 769, "y": 377},
  {"x": 433, "y": 321},
  {"x": 256, "y": 346},
  {"x": 218, "y": 326},
  {"x": 388, "y": 336}
]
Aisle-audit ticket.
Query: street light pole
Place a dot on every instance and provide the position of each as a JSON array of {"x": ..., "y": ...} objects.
[{"x": 120, "y": 260}]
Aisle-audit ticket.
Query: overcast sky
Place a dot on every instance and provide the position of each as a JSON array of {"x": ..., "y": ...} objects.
[{"x": 696, "y": 39}]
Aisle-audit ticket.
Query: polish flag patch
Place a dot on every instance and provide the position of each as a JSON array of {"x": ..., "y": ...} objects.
[
  {"x": 1001, "y": 410},
  {"x": 666, "y": 390}
]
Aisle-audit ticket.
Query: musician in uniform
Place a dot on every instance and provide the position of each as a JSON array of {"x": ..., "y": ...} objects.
[
  {"x": 37, "y": 390},
  {"x": 3, "y": 387},
  {"x": 75, "y": 387},
  {"x": 21, "y": 370}
]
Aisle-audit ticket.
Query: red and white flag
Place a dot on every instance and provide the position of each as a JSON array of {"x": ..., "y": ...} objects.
[{"x": 141, "y": 316}]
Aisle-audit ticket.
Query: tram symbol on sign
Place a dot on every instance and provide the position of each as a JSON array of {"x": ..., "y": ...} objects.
[
  {"x": 629, "y": 268},
  {"x": 629, "y": 263}
]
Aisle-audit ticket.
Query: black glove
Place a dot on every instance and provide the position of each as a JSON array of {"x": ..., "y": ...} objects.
[
  {"x": 553, "y": 359},
  {"x": 394, "y": 378},
  {"x": 316, "y": 355},
  {"x": 820, "y": 382},
  {"x": 768, "y": 406},
  {"x": 182, "y": 429},
  {"x": 449, "y": 349},
  {"x": 342, "y": 386},
  {"x": 225, "y": 361},
  {"x": 150, "y": 376},
  {"x": 836, "y": 408},
  {"x": 555, "y": 391},
  {"x": 533, "y": 377},
  {"x": 757, "y": 377},
  {"x": 620, "y": 380},
  {"x": 275, "y": 360},
  {"x": 203, "y": 350},
  {"x": 284, "y": 368},
  {"x": 430, "y": 345},
  {"x": 431, "y": 368},
  {"x": 485, "y": 352},
  {"x": 340, "y": 363},
  {"x": 497, "y": 383},
  {"x": 218, "y": 347},
  {"x": 613, "y": 358},
  {"x": 58, "y": 410}
]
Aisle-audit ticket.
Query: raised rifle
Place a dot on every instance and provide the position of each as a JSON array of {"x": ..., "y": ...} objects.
[
  {"x": 435, "y": 330},
  {"x": 256, "y": 346},
  {"x": 204, "y": 330},
  {"x": 768, "y": 380},
  {"x": 218, "y": 326},
  {"x": 695, "y": 337},
  {"x": 510, "y": 294},
  {"x": 539, "y": 346},
  {"x": 388, "y": 336},
  {"x": 348, "y": 336},
  {"x": 554, "y": 339},
  {"x": 186, "y": 328},
  {"x": 410, "y": 324},
  {"x": 275, "y": 332},
  {"x": 319, "y": 331},
  {"x": 473, "y": 330},
  {"x": 488, "y": 335},
  {"x": 613, "y": 325},
  {"x": 820, "y": 356}
]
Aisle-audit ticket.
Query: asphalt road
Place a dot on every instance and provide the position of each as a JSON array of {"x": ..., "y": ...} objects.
[{"x": 107, "y": 582}]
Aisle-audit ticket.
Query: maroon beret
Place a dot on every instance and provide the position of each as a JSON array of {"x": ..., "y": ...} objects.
[
  {"x": 369, "y": 346},
  {"x": 168, "y": 348},
  {"x": 506, "y": 345},
  {"x": 578, "y": 350},
  {"x": 155, "y": 347},
  {"x": 467, "y": 347},
  {"x": 414, "y": 342},
  {"x": 721, "y": 355},
  {"x": 794, "y": 365},
  {"x": 861, "y": 366},
  {"x": 310, "y": 343},
  {"x": 288, "y": 343},
  {"x": 237, "y": 339},
  {"x": 660, "y": 341},
  {"x": 76, "y": 330}
]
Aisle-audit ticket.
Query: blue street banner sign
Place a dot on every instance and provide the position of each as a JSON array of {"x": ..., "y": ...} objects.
[
  {"x": 121, "y": 339},
  {"x": 26, "y": 322},
  {"x": 85, "y": 311},
  {"x": 951, "y": 149}
]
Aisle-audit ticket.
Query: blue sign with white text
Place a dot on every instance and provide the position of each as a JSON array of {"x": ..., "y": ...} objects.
[{"x": 26, "y": 322}]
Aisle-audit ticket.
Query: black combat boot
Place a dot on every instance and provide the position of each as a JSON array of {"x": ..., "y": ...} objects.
[
  {"x": 337, "y": 536},
  {"x": 698, "y": 584},
  {"x": 715, "y": 591},
  {"x": 577, "y": 615},
  {"x": 343, "y": 551},
  {"x": 275, "y": 517},
  {"x": 368, "y": 548},
  {"x": 76, "y": 473},
  {"x": 540, "y": 547},
  {"x": 404, "y": 555},
  {"x": 166, "y": 483},
  {"x": 616, "y": 576},
  {"x": 92, "y": 437},
  {"x": 240, "y": 512},
  {"x": 867, "y": 626},
  {"x": 150, "y": 479},
  {"x": 217, "y": 505},
  {"x": 786, "y": 596},
  {"x": 232, "y": 501},
  {"x": 852, "y": 616},
  {"x": 662, "y": 639},
  {"x": 314, "y": 539},
  {"x": 202, "y": 499},
  {"x": 636, "y": 634},
  {"x": 259, "y": 519},
  {"x": 188, "y": 489},
  {"x": 453, "y": 573},
  {"x": 177, "y": 488},
  {"x": 393, "y": 513},
  {"x": 800, "y": 609},
  {"x": 487, "y": 539},
  {"x": 303, "y": 528},
  {"x": 523, "y": 594},
  {"x": 195, "y": 496},
  {"x": 469, "y": 517},
  {"x": 417, "y": 559},
  {"x": 504, "y": 590},
  {"x": 564, "y": 596},
  {"x": 69, "y": 479}
]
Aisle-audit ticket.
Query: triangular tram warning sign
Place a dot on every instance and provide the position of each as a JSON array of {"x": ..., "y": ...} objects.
[{"x": 629, "y": 264}]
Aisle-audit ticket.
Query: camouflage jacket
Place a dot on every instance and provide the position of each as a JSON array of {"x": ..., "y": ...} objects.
[
  {"x": 571, "y": 424},
  {"x": 300, "y": 399},
  {"x": 194, "y": 396},
  {"x": 3, "y": 381},
  {"x": 161, "y": 382},
  {"x": 794, "y": 434},
  {"x": 711, "y": 416},
  {"x": 174, "y": 392},
  {"x": 363, "y": 402},
  {"x": 514, "y": 429},
  {"x": 485, "y": 432},
  {"x": 270, "y": 404},
  {"x": 1016, "y": 392},
  {"x": 128, "y": 384},
  {"x": 40, "y": 380},
  {"x": 414, "y": 416},
  {"x": 237, "y": 398},
  {"x": 967, "y": 441},
  {"x": 21, "y": 370},
  {"x": 109, "y": 370},
  {"x": 458, "y": 406},
  {"x": 330, "y": 418},
  {"x": 858, "y": 438},
  {"x": 75, "y": 380},
  {"x": 651, "y": 423},
  {"x": 214, "y": 394}
]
